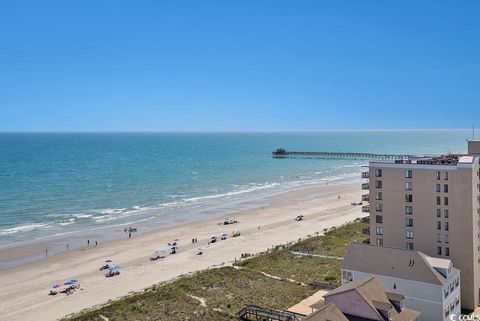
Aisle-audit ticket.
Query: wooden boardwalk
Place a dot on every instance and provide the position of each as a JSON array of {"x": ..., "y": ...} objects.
[
  {"x": 282, "y": 153},
  {"x": 253, "y": 312}
]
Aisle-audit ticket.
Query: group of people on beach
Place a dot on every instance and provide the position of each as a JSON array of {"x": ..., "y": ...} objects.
[
  {"x": 67, "y": 246},
  {"x": 129, "y": 231}
]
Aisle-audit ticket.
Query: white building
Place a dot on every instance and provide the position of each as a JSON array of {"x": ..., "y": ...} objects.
[{"x": 430, "y": 285}]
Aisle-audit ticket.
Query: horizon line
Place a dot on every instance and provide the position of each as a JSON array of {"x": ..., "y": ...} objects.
[{"x": 225, "y": 131}]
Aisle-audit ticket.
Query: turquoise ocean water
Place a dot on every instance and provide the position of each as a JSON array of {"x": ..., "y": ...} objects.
[{"x": 66, "y": 184}]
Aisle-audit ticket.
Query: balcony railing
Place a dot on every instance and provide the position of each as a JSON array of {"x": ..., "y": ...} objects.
[
  {"x": 366, "y": 209},
  {"x": 365, "y": 175},
  {"x": 365, "y": 186},
  {"x": 366, "y": 198}
]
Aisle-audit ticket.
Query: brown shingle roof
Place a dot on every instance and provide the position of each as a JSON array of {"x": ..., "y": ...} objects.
[
  {"x": 328, "y": 312},
  {"x": 375, "y": 294}
]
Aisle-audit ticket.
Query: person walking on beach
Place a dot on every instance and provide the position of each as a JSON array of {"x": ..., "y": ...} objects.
[
  {"x": 129, "y": 234},
  {"x": 67, "y": 247},
  {"x": 96, "y": 243},
  {"x": 46, "y": 252},
  {"x": 88, "y": 243}
]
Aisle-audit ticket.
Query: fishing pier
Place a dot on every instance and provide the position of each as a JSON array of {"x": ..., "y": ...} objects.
[{"x": 282, "y": 153}]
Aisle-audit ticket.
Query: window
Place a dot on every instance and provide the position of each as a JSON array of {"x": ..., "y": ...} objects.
[
  {"x": 438, "y": 176},
  {"x": 347, "y": 276},
  {"x": 439, "y": 252},
  {"x": 378, "y": 196},
  {"x": 378, "y": 173},
  {"x": 379, "y": 219},
  {"x": 408, "y": 198},
  {"x": 437, "y": 188},
  {"x": 379, "y": 230},
  {"x": 409, "y": 246},
  {"x": 445, "y": 200},
  {"x": 408, "y": 210},
  {"x": 457, "y": 283},
  {"x": 409, "y": 222},
  {"x": 408, "y": 186},
  {"x": 439, "y": 200},
  {"x": 447, "y": 252},
  {"x": 445, "y": 238},
  {"x": 408, "y": 174},
  {"x": 409, "y": 234},
  {"x": 378, "y": 184},
  {"x": 379, "y": 207},
  {"x": 439, "y": 226},
  {"x": 445, "y": 213},
  {"x": 447, "y": 312},
  {"x": 446, "y": 226},
  {"x": 445, "y": 188},
  {"x": 439, "y": 238},
  {"x": 446, "y": 176},
  {"x": 439, "y": 212},
  {"x": 379, "y": 242}
]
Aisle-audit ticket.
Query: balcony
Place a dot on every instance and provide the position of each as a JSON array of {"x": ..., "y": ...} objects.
[
  {"x": 366, "y": 209},
  {"x": 366, "y": 186},
  {"x": 365, "y": 175},
  {"x": 366, "y": 198}
]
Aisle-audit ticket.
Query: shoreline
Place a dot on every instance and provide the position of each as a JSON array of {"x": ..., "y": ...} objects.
[
  {"x": 27, "y": 301},
  {"x": 18, "y": 253}
]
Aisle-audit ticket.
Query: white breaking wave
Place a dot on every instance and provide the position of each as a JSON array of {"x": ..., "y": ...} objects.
[{"x": 23, "y": 228}]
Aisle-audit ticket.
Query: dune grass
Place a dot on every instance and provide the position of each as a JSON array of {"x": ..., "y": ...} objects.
[
  {"x": 224, "y": 291},
  {"x": 306, "y": 269}
]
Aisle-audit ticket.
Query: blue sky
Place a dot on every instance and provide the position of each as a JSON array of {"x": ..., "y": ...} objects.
[{"x": 238, "y": 65}]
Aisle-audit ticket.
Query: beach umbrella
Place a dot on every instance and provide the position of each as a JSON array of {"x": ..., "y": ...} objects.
[
  {"x": 108, "y": 261},
  {"x": 56, "y": 285},
  {"x": 73, "y": 281},
  {"x": 116, "y": 267},
  {"x": 68, "y": 283}
]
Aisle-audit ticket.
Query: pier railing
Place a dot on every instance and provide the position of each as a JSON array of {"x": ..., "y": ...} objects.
[{"x": 282, "y": 153}]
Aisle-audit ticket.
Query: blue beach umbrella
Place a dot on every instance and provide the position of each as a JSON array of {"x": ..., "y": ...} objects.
[
  {"x": 116, "y": 267},
  {"x": 108, "y": 261},
  {"x": 73, "y": 281},
  {"x": 56, "y": 285}
]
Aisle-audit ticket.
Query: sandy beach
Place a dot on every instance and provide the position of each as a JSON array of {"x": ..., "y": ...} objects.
[{"x": 25, "y": 288}]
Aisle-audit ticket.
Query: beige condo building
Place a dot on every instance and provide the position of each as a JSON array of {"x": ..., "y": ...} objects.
[{"x": 432, "y": 205}]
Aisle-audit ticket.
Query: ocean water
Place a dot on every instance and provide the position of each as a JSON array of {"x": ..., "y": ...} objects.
[{"x": 65, "y": 184}]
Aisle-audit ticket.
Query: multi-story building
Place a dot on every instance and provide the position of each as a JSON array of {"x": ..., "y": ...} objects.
[
  {"x": 430, "y": 204},
  {"x": 430, "y": 285}
]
